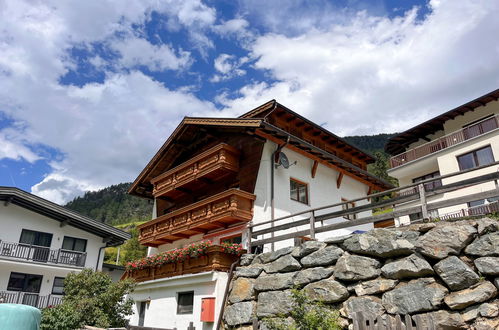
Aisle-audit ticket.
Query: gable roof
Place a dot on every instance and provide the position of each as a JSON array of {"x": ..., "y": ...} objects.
[
  {"x": 398, "y": 143},
  {"x": 19, "y": 197},
  {"x": 250, "y": 121}
]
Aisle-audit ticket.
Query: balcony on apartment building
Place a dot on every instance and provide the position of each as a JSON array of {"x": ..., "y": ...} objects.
[
  {"x": 227, "y": 208},
  {"x": 446, "y": 141},
  {"x": 30, "y": 299},
  {"x": 214, "y": 259},
  {"x": 42, "y": 254},
  {"x": 211, "y": 166}
]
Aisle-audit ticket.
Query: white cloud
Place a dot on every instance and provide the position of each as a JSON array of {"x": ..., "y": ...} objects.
[
  {"x": 228, "y": 66},
  {"x": 11, "y": 146},
  {"x": 375, "y": 74}
]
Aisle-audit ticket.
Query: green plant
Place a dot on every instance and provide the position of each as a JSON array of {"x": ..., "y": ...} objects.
[
  {"x": 91, "y": 298},
  {"x": 306, "y": 315}
]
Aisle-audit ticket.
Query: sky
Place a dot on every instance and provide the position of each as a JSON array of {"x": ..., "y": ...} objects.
[{"x": 89, "y": 90}]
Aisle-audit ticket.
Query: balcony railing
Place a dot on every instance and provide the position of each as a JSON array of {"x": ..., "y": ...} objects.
[
  {"x": 446, "y": 141},
  {"x": 218, "y": 211},
  {"x": 211, "y": 165},
  {"x": 215, "y": 259},
  {"x": 42, "y": 254},
  {"x": 28, "y": 298}
]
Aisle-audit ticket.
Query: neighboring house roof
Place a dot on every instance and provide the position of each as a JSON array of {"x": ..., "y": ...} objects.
[
  {"x": 111, "y": 235},
  {"x": 398, "y": 143},
  {"x": 173, "y": 145}
]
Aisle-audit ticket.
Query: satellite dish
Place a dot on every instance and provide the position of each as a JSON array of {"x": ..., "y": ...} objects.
[{"x": 282, "y": 160}]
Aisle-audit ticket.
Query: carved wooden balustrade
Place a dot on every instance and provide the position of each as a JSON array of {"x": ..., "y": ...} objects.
[
  {"x": 218, "y": 211},
  {"x": 215, "y": 259},
  {"x": 211, "y": 165}
]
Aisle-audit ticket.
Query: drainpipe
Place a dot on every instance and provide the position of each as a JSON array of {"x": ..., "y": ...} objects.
[
  {"x": 275, "y": 154},
  {"x": 226, "y": 293},
  {"x": 98, "y": 257}
]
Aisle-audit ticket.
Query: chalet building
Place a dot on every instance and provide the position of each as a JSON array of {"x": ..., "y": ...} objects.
[
  {"x": 215, "y": 175},
  {"x": 458, "y": 140},
  {"x": 41, "y": 243}
]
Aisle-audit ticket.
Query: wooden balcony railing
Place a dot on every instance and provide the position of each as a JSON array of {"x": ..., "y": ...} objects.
[
  {"x": 42, "y": 254},
  {"x": 444, "y": 142},
  {"x": 215, "y": 259},
  {"x": 29, "y": 298},
  {"x": 218, "y": 211},
  {"x": 211, "y": 165}
]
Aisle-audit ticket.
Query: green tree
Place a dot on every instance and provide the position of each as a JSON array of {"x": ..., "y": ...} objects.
[
  {"x": 91, "y": 298},
  {"x": 131, "y": 250}
]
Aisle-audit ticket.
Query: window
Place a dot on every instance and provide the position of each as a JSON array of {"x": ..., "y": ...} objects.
[
  {"x": 432, "y": 185},
  {"x": 346, "y": 206},
  {"x": 476, "y": 203},
  {"x": 232, "y": 240},
  {"x": 419, "y": 215},
  {"x": 24, "y": 282},
  {"x": 74, "y": 244},
  {"x": 298, "y": 191},
  {"x": 32, "y": 237},
  {"x": 476, "y": 158},
  {"x": 185, "y": 301},
  {"x": 142, "y": 313},
  {"x": 58, "y": 287}
]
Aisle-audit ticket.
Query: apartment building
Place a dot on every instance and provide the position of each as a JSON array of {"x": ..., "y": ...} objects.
[
  {"x": 215, "y": 175},
  {"x": 461, "y": 139},
  {"x": 41, "y": 243}
]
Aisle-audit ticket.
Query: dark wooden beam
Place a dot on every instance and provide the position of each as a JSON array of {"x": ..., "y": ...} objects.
[
  {"x": 338, "y": 181},
  {"x": 199, "y": 230},
  {"x": 184, "y": 190},
  {"x": 314, "y": 168},
  {"x": 181, "y": 235},
  {"x": 206, "y": 180}
]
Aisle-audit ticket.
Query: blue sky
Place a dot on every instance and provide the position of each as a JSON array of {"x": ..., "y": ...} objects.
[{"x": 89, "y": 90}]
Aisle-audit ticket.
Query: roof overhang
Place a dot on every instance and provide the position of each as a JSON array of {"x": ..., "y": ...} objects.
[
  {"x": 111, "y": 235},
  {"x": 398, "y": 143}
]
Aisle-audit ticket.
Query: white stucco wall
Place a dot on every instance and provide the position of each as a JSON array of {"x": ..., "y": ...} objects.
[
  {"x": 322, "y": 191},
  {"x": 13, "y": 219},
  {"x": 162, "y": 310}
]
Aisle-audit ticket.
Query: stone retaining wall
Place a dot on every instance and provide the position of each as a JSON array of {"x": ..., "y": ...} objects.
[{"x": 449, "y": 269}]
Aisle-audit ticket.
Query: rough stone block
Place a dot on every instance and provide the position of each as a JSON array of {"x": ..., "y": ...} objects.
[
  {"x": 323, "y": 257},
  {"x": 408, "y": 267},
  {"x": 467, "y": 297},
  {"x": 456, "y": 274},
  {"x": 443, "y": 241},
  {"x": 355, "y": 268},
  {"x": 327, "y": 291}
]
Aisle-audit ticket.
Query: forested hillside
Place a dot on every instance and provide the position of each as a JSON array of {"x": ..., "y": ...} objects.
[
  {"x": 369, "y": 143},
  {"x": 112, "y": 205}
]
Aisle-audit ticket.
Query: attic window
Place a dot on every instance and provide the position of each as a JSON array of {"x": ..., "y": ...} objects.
[{"x": 298, "y": 191}]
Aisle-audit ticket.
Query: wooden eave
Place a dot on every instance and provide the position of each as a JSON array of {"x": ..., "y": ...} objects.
[
  {"x": 142, "y": 187},
  {"x": 398, "y": 143}
]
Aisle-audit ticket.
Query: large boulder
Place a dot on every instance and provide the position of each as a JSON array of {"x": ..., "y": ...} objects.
[
  {"x": 327, "y": 291},
  {"x": 489, "y": 310},
  {"x": 446, "y": 240},
  {"x": 455, "y": 273},
  {"x": 487, "y": 225},
  {"x": 282, "y": 265},
  {"x": 271, "y": 256},
  {"x": 488, "y": 265},
  {"x": 467, "y": 297},
  {"x": 411, "y": 266},
  {"x": 355, "y": 268},
  {"x": 369, "y": 306},
  {"x": 252, "y": 271},
  {"x": 443, "y": 320},
  {"x": 323, "y": 257},
  {"x": 382, "y": 243},
  {"x": 239, "y": 313},
  {"x": 485, "y": 246},
  {"x": 272, "y": 282},
  {"x": 308, "y": 275},
  {"x": 246, "y": 259},
  {"x": 378, "y": 285},
  {"x": 242, "y": 289},
  {"x": 418, "y": 295},
  {"x": 306, "y": 248},
  {"x": 273, "y": 303}
]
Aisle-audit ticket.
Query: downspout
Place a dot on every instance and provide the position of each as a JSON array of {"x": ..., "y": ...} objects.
[
  {"x": 275, "y": 156},
  {"x": 226, "y": 293}
]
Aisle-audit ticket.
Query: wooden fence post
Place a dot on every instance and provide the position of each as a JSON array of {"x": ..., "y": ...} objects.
[
  {"x": 255, "y": 324},
  {"x": 422, "y": 197},
  {"x": 312, "y": 225},
  {"x": 191, "y": 326}
]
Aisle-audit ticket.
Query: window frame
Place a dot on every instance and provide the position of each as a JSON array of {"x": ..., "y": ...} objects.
[
  {"x": 74, "y": 242},
  {"x": 300, "y": 183},
  {"x": 25, "y": 282},
  {"x": 475, "y": 157},
  {"x": 37, "y": 237},
  {"x": 180, "y": 307},
  {"x": 53, "y": 285},
  {"x": 348, "y": 205}
]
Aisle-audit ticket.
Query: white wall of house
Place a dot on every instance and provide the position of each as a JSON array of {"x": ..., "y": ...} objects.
[
  {"x": 162, "y": 294},
  {"x": 322, "y": 191},
  {"x": 14, "y": 218}
]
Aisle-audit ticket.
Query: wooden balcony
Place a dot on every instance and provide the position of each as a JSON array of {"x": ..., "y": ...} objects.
[
  {"x": 445, "y": 142},
  {"x": 219, "y": 211},
  {"x": 214, "y": 260},
  {"x": 210, "y": 166}
]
